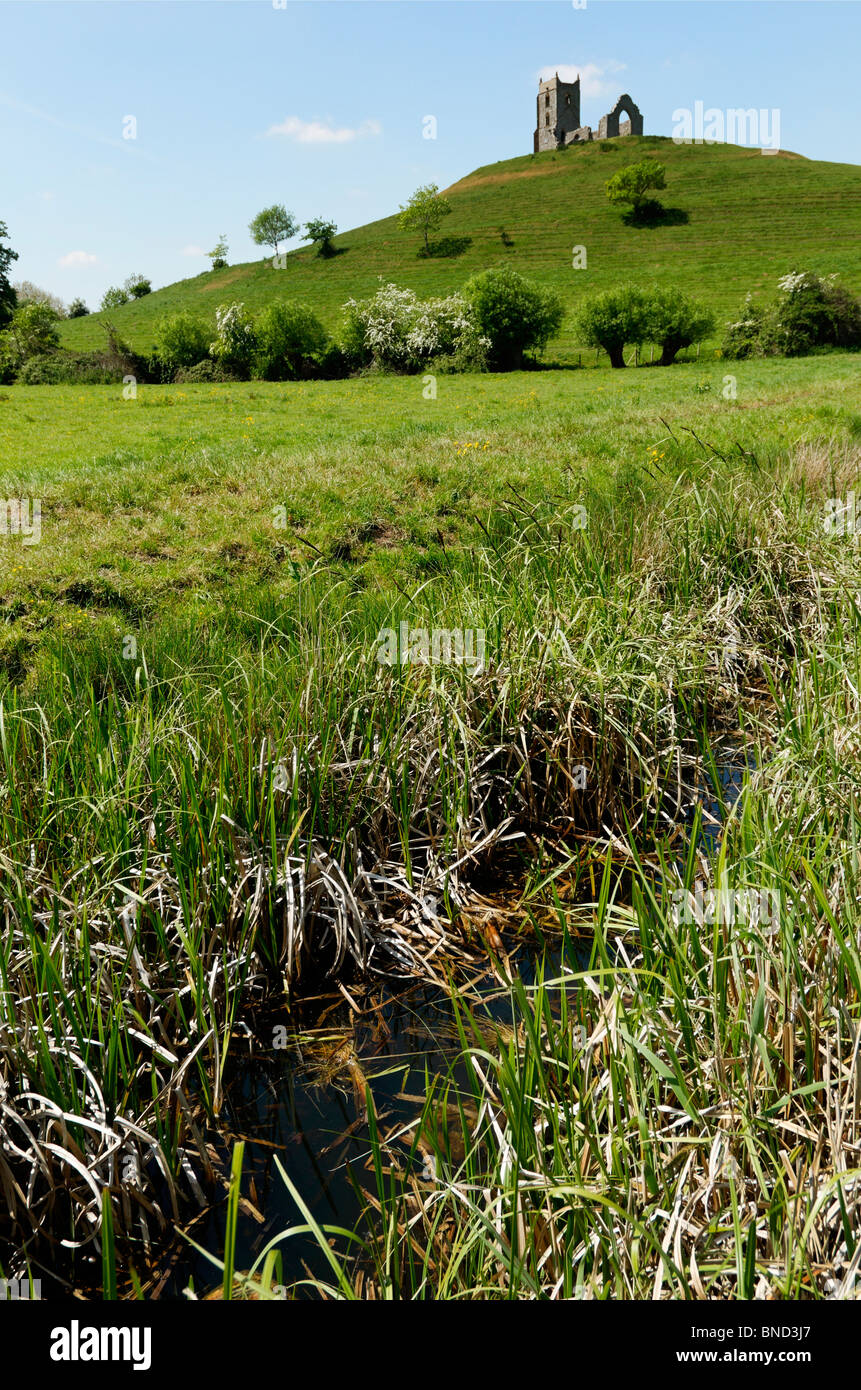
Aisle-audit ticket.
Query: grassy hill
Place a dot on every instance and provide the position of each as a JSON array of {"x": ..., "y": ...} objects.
[{"x": 738, "y": 220}]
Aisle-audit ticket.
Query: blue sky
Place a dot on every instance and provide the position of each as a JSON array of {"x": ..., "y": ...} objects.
[{"x": 320, "y": 105}]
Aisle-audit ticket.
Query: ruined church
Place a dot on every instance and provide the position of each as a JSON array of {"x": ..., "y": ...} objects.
[{"x": 559, "y": 117}]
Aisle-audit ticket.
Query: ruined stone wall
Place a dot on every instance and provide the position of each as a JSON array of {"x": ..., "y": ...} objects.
[
  {"x": 610, "y": 125},
  {"x": 558, "y": 117}
]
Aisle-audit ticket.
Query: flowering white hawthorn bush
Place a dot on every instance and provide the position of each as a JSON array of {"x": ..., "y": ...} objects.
[
  {"x": 236, "y": 339},
  {"x": 798, "y": 280},
  {"x": 396, "y": 330},
  {"x": 811, "y": 311}
]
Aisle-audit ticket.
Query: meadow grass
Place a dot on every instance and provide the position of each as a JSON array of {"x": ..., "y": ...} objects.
[{"x": 249, "y": 799}]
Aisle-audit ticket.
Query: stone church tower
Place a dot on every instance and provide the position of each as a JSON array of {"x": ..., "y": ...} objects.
[{"x": 558, "y": 113}]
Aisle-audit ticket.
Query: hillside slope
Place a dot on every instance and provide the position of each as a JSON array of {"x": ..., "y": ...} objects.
[{"x": 740, "y": 219}]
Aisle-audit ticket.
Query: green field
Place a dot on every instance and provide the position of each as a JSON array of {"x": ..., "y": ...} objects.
[
  {"x": 165, "y": 502},
  {"x": 751, "y": 217},
  {"x": 210, "y": 790}
]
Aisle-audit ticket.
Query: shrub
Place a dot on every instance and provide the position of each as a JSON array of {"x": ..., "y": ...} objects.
[
  {"x": 614, "y": 318},
  {"x": 334, "y": 362},
  {"x": 376, "y": 329},
  {"x": 71, "y": 368},
  {"x": 809, "y": 312},
  {"x": 90, "y": 368},
  {"x": 446, "y": 332},
  {"x": 114, "y": 297},
  {"x": 235, "y": 345},
  {"x": 674, "y": 322},
  {"x": 206, "y": 370},
  {"x": 845, "y": 313},
  {"x": 469, "y": 357},
  {"x": 289, "y": 340},
  {"x": 9, "y": 360},
  {"x": 45, "y": 370},
  {"x": 812, "y": 311},
  {"x": 396, "y": 331},
  {"x": 513, "y": 314},
  {"x": 78, "y": 309},
  {"x": 746, "y": 336},
  {"x": 181, "y": 340},
  {"x": 136, "y": 286}
]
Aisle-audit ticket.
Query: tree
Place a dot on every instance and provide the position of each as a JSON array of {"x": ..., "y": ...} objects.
[
  {"x": 289, "y": 338},
  {"x": 8, "y": 298},
  {"x": 33, "y": 330},
  {"x": 674, "y": 321},
  {"x": 513, "y": 313},
  {"x": 181, "y": 340},
  {"x": 424, "y": 212},
  {"x": 114, "y": 297},
  {"x": 218, "y": 254},
  {"x": 614, "y": 318},
  {"x": 136, "y": 286},
  {"x": 273, "y": 225},
  {"x": 78, "y": 309},
  {"x": 321, "y": 232},
  {"x": 633, "y": 183},
  {"x": 28, "y": 293}
]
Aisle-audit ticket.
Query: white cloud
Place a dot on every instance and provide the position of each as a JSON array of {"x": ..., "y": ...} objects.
[
  {"x": 77, "y": 258},
  {"x": 322, "y": 132},
  {"x": 192, "y": 251},
  {"x": 596, "y": 79}
]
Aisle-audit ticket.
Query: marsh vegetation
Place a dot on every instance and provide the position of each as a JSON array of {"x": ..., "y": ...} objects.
[{"x": 217, "y": 806}]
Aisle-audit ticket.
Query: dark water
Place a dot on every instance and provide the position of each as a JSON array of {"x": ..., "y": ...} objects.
[
  {"x": 286, "y": 1102},
  {"x": 295, "y": 1104},
  {"x": 731, "y": 774}
]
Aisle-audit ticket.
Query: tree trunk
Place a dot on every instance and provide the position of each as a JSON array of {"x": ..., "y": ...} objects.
[
  {"x": 616, "y": 354},
  {"x": 668, "y": 352}
]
